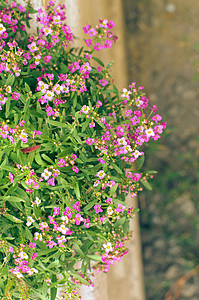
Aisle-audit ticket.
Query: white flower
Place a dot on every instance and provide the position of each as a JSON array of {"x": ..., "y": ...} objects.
[
  {"x": 49, "y": 95},
  {"x": 109, "y": 210},
  {"x": 38, "y": 236},
  {"x": 23, "y": 255},
  {"x": 37, "y": 201},
  {"x": 149, "y": 132},
  {"x": 101, "y": 174},
  {"x": 85, "y": 109},
  {"x": 30, "y": 220},
  {"x": 108, "y": 247},
  {"x": 63, "y": 229},
  {"x": 32, "y": 270},
  {"x": 46, "y": 174},
  {"x": 65, "y": 219},
  {"x": 122, "y": 141},
  {"x": 2, "y": 29}
]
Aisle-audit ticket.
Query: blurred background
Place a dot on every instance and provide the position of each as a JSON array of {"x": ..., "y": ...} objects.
[{"x": 162, "y": 43}]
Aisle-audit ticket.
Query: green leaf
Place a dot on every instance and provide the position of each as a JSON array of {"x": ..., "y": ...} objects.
[
  {"x": 89, "y": 205},
  {"x": 113, "y": 189},
  {"x": 53, "y": 290},
  {"x": 98, "y": 60},
  {"x": 7, "y": 108},
  {"x": 39, "y": 160},
  {"x": 95, "y": 257},
  {"x": 44, "y": 156},
  {"x": 109, "y": 64},
  {"x": 10, "y": 80},
  {"x": 58, "y": 124},
  {"x": 146, "y": 184},
  {"x": 78, "y": 249},
  {"x": 116, "y": 168},
  {"x": 140, "y": 161},
  {"x": 12, "y": 218},
  {"x": 13, "y": 199},
  {"x": 77, "y": 191}
]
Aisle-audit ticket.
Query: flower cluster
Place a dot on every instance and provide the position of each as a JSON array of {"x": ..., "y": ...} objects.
[{"x": 101, "y": 35}]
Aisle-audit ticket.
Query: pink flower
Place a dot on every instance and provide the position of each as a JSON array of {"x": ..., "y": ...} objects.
[
  {"x": 90, "y": 141},
  {"x": 109, "y": 200},
  {"x": 34, "y": 255},
  {"x": 11, "y": 177},
  {"x": 56, "y": 211},
  {"x": 98, "y": 209},
  {"x": 51, "y": 181},
  {"x": 88, "y": 42},
  {"x": 103, "y": 82},
  {"x": 15, "y": 96},
  {"x": 78, "y": 219},
  {"x": 73, "y": 156},
  {"x": 75, "y": 169},
  {"x": 120, "y": 208},
  {"x": 156, "y": 118},
  {"x": 51, "y": 244},
  {"x": 108, "y": 44},
  {"x": 10, "y": 249},
  {"x": 61, "y": 163},
  {"x": 98, "y": 47},
  {"x": 33, "y": 47},
  {"x": 77, "y": 206},
  {"x": 101, "y": 160},
  {"x": 32, "y": 245},
  {"x": 47, "y": 58}
]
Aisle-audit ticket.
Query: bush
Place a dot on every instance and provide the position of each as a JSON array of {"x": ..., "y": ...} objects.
[{"x": 68, "y": 140}]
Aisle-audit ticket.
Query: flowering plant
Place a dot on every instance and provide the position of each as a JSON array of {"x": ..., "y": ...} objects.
[{"x": 68, "y": 138}]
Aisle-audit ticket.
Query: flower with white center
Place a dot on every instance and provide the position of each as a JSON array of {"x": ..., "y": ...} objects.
[
  {"x": 33, "y": 47},
  {"x": 2, "y": 29},
  {"x": 17, "y": 274},
  {"x": 101, "y": 174},
  {"x": 149, "y": 132},
  {"x": 38, "y": 236},
  {"x": 108, "y": 247},
  {"x": 46, "y": 174},
  {"x": 126, "y": 93},
  {"x": 32, "y": 271},
  {"x": 56, "y": 20},
  {"x": 8, "y": 89},
  {"x": 65, "y": 89},
  {"x": 61, "y": 239},
  {"x": 30, "y": 220},
  {"x": 23, "y": 136},
  {"x": 42, "y": 86},
  {"x": 49, "y": 95},
  {"x": 122, "y": 142},
  {"x": 85, "y": 109},
  {"x": 109, "y": 210},
  {"x": 47, "y": 31},
  {"x": 64, "y": 219},
  {"x": 37, "y": 201},
  {"x": 57, "y": 89},
  {"x": 23, "y": 255},
  {"x": 43, "y": 225},
  {"x": 63, "y": 229},
  {"x": 137, "y": 153},
  {"x": 127, "y": 148}
]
